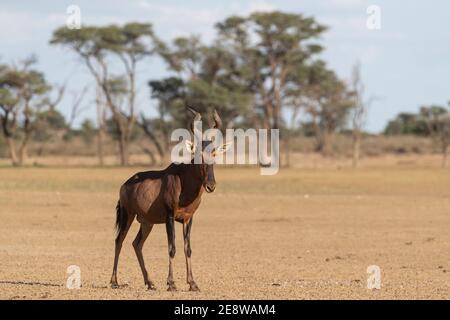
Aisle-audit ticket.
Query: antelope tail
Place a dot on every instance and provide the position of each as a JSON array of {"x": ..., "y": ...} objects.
[{"x": 121, "y": 219}]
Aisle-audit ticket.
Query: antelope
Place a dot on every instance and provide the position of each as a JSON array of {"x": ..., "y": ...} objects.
[{"x": 166, "y": 196}]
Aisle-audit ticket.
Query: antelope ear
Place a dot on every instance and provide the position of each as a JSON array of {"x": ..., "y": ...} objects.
[
  {"x": 190, "y": 146},
  {"x": 223, "y": 148}
]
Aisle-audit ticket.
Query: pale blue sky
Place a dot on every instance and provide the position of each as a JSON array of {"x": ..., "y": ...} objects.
[{"x": 407, "y": 62}]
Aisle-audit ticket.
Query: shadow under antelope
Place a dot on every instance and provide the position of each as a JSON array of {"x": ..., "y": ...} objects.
[{"x": 166, "y": 196}]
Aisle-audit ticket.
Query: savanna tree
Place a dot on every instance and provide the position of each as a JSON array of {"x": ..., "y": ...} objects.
[
  {"x": 270, "y": 46},
  {"x": 211, "y": 76},
  {"x": 205, "y": 77},
  {"x": 99, "y": 48},
  {"x": 328, "y": 105},
  {"x": 170, "y": 94},
  {"x": 437, "y": 120},
  {"x": 23, "y": 100}
]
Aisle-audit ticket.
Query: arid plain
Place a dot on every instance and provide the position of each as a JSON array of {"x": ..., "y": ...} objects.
[{"x": 305, "y": 233}]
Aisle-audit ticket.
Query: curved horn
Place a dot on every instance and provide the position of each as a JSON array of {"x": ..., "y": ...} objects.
[
  {"x": 217, "y": 122},
  {"x": 197, "y": 117}
]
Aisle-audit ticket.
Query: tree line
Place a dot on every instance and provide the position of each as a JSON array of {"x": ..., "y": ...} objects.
[
  {"x": 431, "y": 121},
  {"x": 261, "y": 71}
]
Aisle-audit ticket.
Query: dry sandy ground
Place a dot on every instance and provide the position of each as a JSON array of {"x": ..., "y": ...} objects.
[{"x": 302, "y": 234}]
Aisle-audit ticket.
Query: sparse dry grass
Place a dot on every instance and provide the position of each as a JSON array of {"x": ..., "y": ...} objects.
[
  {"x": 305, "y": 233},
  {"x": 77, "y": 152}
]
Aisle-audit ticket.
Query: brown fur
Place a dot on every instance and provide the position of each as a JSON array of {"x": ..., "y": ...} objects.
[
  {"x": 165, "y": 196},
  {"x": 152, "y": 195},
  {"x": 157, "y": 197}
]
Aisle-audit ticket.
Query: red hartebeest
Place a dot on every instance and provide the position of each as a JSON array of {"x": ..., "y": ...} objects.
[{"x": 165, "y": 196}]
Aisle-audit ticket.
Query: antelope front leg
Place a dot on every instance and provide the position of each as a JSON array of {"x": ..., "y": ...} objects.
[
  {"x": 170, "y": 228},
  {"x": 187, "y": 253}
]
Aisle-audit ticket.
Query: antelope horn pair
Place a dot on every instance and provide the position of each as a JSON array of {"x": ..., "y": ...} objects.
[{"x": 216, "y": 122}]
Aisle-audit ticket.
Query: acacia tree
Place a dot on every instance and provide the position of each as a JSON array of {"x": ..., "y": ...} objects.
[
  {"x": 205, "y": 77},
  {"x": 328, "y": 105},
  {"x": 9, "y": 101},
  {"x": 297, "y": 101},
  {"x": 437, "y": 120},
  {"x": 211, "y": 77},
  {"x": 23, "y": 98},
  {"x": 184, "y": 56},
  {"x": 270, "y": 46},
  {"x": 171, "y": 95},
  {"x": 97, "y": 47}
]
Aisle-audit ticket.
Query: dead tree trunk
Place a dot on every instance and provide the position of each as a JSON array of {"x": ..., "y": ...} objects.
[
  {"x": 360, "y": 108},
  {"x": 356, "y": 148},
  {"x": 23, "y": 150},
  {"x": 123, "y": 149},
  {"x": 12, "y": 150},
  {"x": 100, "y": 127},
  {"x": 9, "y": 135},
  {"x": 143, "y": 123}
]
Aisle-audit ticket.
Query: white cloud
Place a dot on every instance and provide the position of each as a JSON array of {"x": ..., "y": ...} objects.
[
  {"x": 172, "y": 20},
  {"x": 368, "y": 54},
  {"x": 347, "y": 3},
  {"x": 175, "y": 20},
  {"x": 26, "y": 28},
  {"x": 261, "y": 7},
  {"x": 21, "y": 27}
]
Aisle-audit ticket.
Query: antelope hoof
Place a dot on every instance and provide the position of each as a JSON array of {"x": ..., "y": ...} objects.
[
  {"x": 193, "y": 287},
  {"x": 171, "y": 287},
  {"x": 151, "y": 286},
  {"x": 115, "y": 285}
]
